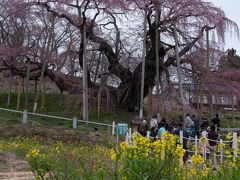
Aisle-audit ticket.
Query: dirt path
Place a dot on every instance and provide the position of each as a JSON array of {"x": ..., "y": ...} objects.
[{"x": 14, "y": 168}]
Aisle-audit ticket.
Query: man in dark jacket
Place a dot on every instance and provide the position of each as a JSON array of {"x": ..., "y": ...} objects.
[
  {"x": 204, "y": 125},
  {"x": 196, "y": 124},
  {"x": 216, "y": 120}
]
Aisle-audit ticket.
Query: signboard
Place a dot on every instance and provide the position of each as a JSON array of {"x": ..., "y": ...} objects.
[{"x": 122, "y": 129}]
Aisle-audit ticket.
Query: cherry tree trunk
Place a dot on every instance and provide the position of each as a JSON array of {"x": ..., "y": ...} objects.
[{"x": 130, "y": 92}]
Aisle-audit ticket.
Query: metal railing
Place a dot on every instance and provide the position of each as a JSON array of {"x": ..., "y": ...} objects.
[{"x": 74, "y": 120}]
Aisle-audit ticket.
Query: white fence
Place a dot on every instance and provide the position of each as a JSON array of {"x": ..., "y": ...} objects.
[
  {"x": 74, "y": 120},
  {"x": 204, "y": 146}
]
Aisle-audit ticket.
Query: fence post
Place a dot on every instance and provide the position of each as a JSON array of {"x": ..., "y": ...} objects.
[
  {"x": 117, "y": 145},
  {"x": 74, "y": 125},
  {"x": 25, "y": 116},
  {"x": 113, "y": 128},
  {"x": 204, "y": 151},
  {"x": 127, "y": 137},
  {"x": 148, "y": 135},
  {"x": 221, "y": 151},
  {"x": 35, "y": 106},
  {"x": 235, "y": 146},
  {"x": 204, "y": 146},
  {"x": 181, "y": 142},
  {"x": 181, "y": 137},
  {"x": 196, "y": 144},
  {"x": 130, "y": 135}
]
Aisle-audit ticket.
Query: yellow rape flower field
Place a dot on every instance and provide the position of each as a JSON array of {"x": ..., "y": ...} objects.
[{"x": 140, "y": 159}]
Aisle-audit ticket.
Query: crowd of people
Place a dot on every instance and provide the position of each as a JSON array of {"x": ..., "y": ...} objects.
[{"x": 190, "y": 126}]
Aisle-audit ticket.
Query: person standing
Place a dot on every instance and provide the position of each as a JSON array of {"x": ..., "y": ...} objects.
[
  {"x": 212, "y": 141},
  {"x": 180, "y": 119},
  {"x": 185, "y": 139},
  {"x": 153, "y": 133},
  {"x": 143, "y": 128},
  {"x": 163, "y": 123},
  {"x": 161, "y": 129},
  {"x": 212, "y": 136},
  {"x": 196, "y": 125},
  {"x": 204, "y": 125},
  {"x": 153, "y": 122},
  {"x": 216, "y": 120},
  {"x": 188, "y": 123}
]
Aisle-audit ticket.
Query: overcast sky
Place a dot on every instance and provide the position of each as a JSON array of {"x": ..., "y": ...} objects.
[{"x": 232, "y": 11}]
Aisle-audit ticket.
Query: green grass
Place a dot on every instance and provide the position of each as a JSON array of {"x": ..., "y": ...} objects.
[
  {"x": 71, "y": 106},
  {"x": 227, "y": 121},
  {"x": 55, "y": 104},
  {"x": 60, "y": 105}
]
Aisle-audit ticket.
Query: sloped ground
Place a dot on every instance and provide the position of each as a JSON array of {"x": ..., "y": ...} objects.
[
  {"x": 48, "y": 134},
  {"x": 14, "y": 168}
]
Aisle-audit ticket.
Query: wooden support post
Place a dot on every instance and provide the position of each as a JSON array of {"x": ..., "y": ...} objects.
[
  {"x": 179, "y": 69},
  {"x": 143, "y": 65},
  {"x": 150, "y": 102},
  {"x": 18, "y": 94}
]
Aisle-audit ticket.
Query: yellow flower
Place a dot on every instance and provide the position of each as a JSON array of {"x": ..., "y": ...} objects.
[
  {"x": 203, "y": 140},
  {"x": 197, "y": 159},
  {"x": 113, "y": 155},
  {"x": 238, "y": 139},
  {"x": 229, "y": 136},
  {"x": 124, "y": 146},
  {"x": 232, "y": 164},
  {"x": 205, "y": 172},
  {"x": 179, "y": 151},
  {"x": 57, "y": 149},
  {"x": 192, "y": 172},
  {"x": 33, "y": 153}
]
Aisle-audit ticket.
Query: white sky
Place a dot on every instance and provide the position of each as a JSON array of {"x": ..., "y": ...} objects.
[{"x": 232, "y": 11}]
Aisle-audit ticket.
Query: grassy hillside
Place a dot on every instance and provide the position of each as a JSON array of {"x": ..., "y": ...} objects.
[
  {"x": 65, "y": 106},
  {"x": 71, "y": 106}
]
